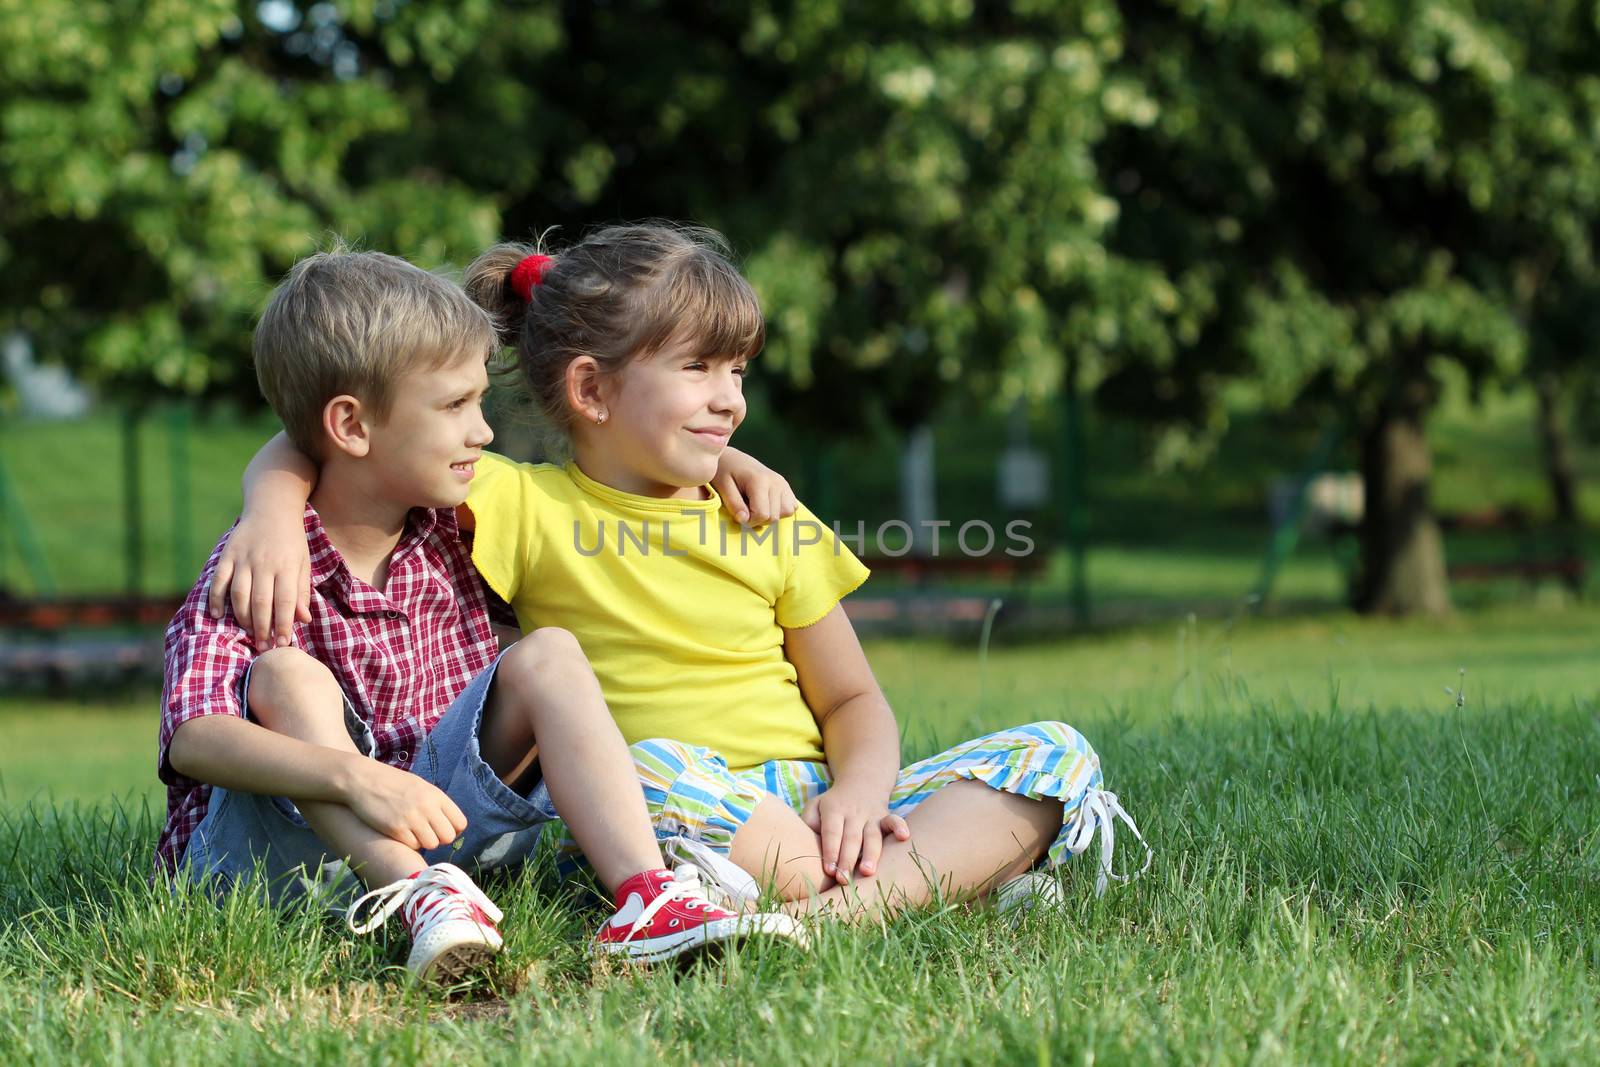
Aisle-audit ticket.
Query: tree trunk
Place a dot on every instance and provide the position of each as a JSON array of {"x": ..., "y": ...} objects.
[
  {"x": 1402, "y": 552},
  {"x": 1557, "y": 449}
]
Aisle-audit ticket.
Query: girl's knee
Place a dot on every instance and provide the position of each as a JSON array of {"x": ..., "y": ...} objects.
[
  {"x": 1059, "y": 733},
  {"x": 546, "y": 649}
]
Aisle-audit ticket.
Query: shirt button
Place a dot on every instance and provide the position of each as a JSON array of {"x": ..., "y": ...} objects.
[
  {"x": 391, "y": 615},
  {"x": 404, "y": 755}
]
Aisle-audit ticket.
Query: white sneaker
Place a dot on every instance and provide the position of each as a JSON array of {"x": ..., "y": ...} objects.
[
  {"x": 724, "y": 881},
  {"x": 452, "y": 923},
  {"x": 1041, "y": 887},
  {"x": 1038, "y": 888}
]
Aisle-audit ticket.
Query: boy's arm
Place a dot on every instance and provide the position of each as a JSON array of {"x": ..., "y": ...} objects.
[
  {"x": 751, "y": 491},
  {"x": 859, "y": 738},
  {"x": 266, "y": 565},
  {"x": 237, "y": 754}
]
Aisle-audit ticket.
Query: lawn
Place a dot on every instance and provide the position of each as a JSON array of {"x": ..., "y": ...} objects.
[{"x": 1351, "y": 869}]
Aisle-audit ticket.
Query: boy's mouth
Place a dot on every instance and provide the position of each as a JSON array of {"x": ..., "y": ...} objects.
[{"x": 464, "y": 471}]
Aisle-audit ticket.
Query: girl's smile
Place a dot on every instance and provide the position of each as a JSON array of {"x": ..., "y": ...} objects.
[{"x": 668, "y": 418}]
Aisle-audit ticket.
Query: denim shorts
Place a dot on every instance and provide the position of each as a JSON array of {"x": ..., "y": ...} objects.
[{"x": 245, "y": 834}]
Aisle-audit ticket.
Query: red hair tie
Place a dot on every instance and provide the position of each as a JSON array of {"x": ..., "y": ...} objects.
[{"x": 529, "y": 273}]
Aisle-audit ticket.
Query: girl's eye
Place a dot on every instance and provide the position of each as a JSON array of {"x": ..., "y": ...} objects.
[
  {"x": 741, "y": 370},
  {"x": 695, "y": 366}
]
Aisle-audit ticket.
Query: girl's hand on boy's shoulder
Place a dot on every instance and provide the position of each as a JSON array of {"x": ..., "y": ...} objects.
[
  {"x": 265, "y": 572},
  {"x": 852, "y": 825},
  {"x": 752, "y": 492}
]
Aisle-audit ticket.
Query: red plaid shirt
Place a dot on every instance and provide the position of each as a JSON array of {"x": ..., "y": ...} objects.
[{"x": 402, "y": 656}]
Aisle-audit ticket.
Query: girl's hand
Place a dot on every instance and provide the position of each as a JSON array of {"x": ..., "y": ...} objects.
[
  {"x": 751, "y": 491},
  {"x": 266, "y": 565},
  {"x": 852, "y": 826}
]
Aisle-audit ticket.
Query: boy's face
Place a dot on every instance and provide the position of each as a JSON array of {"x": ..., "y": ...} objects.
[
  {"x": 423, "y": 453},
  {"x": 673, "y": 412}
]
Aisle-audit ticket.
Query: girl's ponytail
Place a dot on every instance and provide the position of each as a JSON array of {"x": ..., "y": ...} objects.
[{"x": 488, "y": 282}]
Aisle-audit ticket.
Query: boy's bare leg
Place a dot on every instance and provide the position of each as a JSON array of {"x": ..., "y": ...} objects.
[
  {"x": 546, "y": 705},
  {"x": 965, "y": 839},
  {"x": 294, "y": 695}
]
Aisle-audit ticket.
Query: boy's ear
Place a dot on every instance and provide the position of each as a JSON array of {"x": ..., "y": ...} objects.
[
  {"x": 585, "y": 389},
  {"x": 344, "y": 421}
]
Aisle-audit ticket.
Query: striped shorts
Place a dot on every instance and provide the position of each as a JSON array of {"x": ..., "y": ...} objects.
[{"x": 691, "y": 791}]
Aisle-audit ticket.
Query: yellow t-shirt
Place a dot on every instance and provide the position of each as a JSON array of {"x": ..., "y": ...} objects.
[{"x": 680, "y": 610}]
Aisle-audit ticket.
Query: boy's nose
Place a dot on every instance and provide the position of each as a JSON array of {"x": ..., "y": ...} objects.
[{"x": 483, "y": 433}]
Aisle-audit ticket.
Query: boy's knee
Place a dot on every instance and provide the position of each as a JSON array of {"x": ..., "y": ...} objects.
[{"x": 285, "y": 683}]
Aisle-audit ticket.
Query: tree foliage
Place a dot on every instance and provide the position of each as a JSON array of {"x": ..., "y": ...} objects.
[{"x": 937, "y": 198}]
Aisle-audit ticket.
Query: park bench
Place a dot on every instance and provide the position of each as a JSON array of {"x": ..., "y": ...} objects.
[
  {"x": 70, "y": 641},
  {"x": 1541, "y": 553},
  {"x": 923, "y": 605}
]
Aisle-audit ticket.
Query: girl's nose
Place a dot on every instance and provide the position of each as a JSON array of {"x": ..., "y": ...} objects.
[{"x": 729, "y": 395}]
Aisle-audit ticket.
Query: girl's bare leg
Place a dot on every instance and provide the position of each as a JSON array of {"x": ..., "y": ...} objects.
[
  {"x": 546, "y": 700},
  {"x": 965, "y": 839}
]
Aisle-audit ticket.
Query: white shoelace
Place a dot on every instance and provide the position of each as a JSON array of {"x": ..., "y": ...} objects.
[
  {"x": 715, "y": 871},
  {"x": 449, "y": 881},
  {"x": 1099, "y": 811},
  {"x": 685, "y": 886}
]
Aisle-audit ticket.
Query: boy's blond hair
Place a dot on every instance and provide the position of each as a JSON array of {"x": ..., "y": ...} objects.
[{"x": 356, "y": 322}]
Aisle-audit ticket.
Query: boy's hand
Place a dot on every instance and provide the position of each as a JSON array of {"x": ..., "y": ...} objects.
[
  {"x": 751, "y": 491},
  {"x": 267, "y": 567},
  {"x": 852, "y": 826},
  {"x": 400, "y": 805}
]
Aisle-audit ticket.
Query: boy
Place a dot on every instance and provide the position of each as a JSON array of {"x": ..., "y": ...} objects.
[{"x": 389, "y": 737}]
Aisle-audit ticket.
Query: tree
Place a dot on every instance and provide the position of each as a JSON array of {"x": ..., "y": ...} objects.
[
  {"x": 162, "y": 163},
  {"x": 1354, "y": 174}
]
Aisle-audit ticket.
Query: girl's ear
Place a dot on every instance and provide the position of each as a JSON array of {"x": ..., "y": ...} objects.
[
  {"x": 586, "y": 393},
  {"x": 344, "y": 420}
]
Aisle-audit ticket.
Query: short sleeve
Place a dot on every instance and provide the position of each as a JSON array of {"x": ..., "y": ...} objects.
[
  {"x": 821, "y": 570},
  {"x": 204, "y": 668},
  {"x": 502, "y": 536}
]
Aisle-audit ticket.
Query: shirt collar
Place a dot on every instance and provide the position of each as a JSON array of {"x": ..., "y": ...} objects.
[{"x": 327, "y": 564}]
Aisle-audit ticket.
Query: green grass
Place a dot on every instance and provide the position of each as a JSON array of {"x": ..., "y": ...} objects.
[{"x": 1350, "y": 869}]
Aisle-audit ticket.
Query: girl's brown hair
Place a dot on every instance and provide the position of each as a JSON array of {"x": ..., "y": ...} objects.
[{"x": 622, "y": 293}]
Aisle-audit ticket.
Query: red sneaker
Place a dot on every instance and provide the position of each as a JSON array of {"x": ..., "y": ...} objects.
[{"x": 662, "y": 914}]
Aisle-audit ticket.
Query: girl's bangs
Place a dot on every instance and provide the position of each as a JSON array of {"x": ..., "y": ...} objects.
[{"x": 714, "y": 309}]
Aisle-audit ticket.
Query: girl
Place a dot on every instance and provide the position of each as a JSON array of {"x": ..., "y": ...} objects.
[{"x": 722, "y": 650}]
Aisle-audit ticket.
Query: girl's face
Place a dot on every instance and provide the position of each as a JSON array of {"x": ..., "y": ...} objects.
[{"x": 668, "y": 419}]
